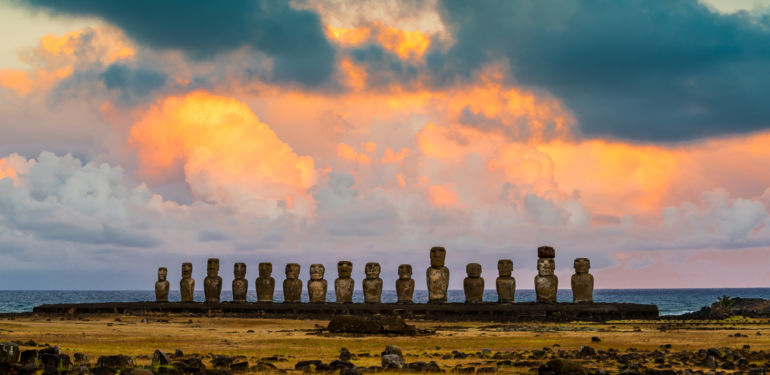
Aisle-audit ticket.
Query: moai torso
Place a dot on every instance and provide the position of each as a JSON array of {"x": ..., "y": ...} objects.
[
  {"x": 372, "y": 283},
  {"x": 405, "y": 284},
  {"x": 582, "y": 282},
  {"x": 212, "y": 284},
  {"x": 187, "y": 284},
  {"x": 316, "y": 286},
  {"x": 266, "y": 284},
  {"x": 437, "y": 276},
  {"x": 161, "y": 286},
  {"x": 240, "y": 284},
  {"x": 473, "y": 285},
  {"x": 505, "y": 283},
  {"x": 344, "y": 285},
  {"x": 546, "y": 283},
  {"x": 292, "y": 286}
]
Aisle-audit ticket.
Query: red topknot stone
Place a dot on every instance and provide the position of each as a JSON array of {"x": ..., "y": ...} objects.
[{"x": 546, "y": 252}]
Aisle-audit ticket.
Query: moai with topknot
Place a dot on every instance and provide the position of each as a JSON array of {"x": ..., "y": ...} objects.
[
  {"x": 187, "y": 284},
  {"x": 317, "y": 286},
  {"x": 582, "y": 282},
  {"x": 240, "y": 284},
  {"x": 505, "y": 283},
  {"x": 212, "y": 284},
  {"x": 546, "y": 283},
  {"x": 162, "y": 286},
  {"x": 437, "y": 276},
  {"x": 473, "y": 285},
  {"x": 372, "y": 283},
  {"x": 344, "y": 284},
  {"x": 405, "y": 284},
  {"x": 292, "y": 286}
]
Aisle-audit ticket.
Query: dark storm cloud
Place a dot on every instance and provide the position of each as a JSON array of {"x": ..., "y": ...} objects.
[
  {"x": 203, "y": 29},
  {"x": 642, "y": 70},
  {"x": 134, "y": 82}
]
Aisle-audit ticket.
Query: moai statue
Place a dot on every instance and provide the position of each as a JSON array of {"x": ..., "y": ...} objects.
[
  {"x": 266, "y": 284},
  {"x": 582, "y": 282},
  {"x": 212, "y": 284},
  {"x": 473, "y": 284},
  {"x": 437, "y": 276},
  {"x": 161, "y": 286},
  {"x": 187, "y": 284},
  {"x": 405, "y": 284},
  {"x": 344, "y": 285},
  {"x": 292, "y": 286},
  {"x": 506, "y": 285},
  {"x": 546, "y": 283},
  {"x": 316, "y": 286},
  {"x": 240, "y": 284},
  {"x": 372, "y": 283}
]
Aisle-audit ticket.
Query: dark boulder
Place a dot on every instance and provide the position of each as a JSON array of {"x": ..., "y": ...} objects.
[
  {"x": 370, "y": 325},
  {"x": 160, "y": 359},
  {"x": 561, "y": 367},
  {"x": 9, "y": 352},
  {"x": 118, "y": 361}
]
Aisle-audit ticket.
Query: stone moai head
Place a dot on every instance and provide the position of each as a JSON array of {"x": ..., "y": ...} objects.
[
  {"x": 582, "y": 265},
  {"x": 212, "y": 267},
  {"x": 266, "y": 269},
  {"x": 186, "y": 270},
  {"x": 473, "y": 270},
  {"x": 372, "y": 270},
  {"x": 437, "y": 256},
  {"x": 405, "y": 271},
  {"x": 292, "y": 271},
  {"x": 545, "y": 261},
  {"x": 162, "y": 273},
  {"x": 344, "y": 269},
  {"x": 317, "y": 271},
  {"x": 505, "y": 267},
  {"x": 239, "y": 270}
]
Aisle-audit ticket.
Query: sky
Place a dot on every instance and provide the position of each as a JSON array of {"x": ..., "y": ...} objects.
[{"x": 144, "y": 134}]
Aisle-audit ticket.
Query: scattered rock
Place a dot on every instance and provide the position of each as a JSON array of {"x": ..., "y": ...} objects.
[
  {"x": 392, "y": 362},
  {"x": 486, "y": 370},
  {"x": 222, "y": 361},
  {"x": 28, "y": 356},
  {"x": 370, "y": 325},
  {"x": 420, "y": 366},
  {"x": 709, "y": 362},
  {"x": 587, "y": 351},
  {"x": 561, "y": 367},
  {"x": 242, "y": 366},
  {"x": 114, "y": 361},
  {"x": 392, "y": 349},
  {"x": 136, "y": 371},
  {"x": 345, "y": 354},
  {"x": 81, "y": 359},
  {"x": 306, "y": 365},
  {"x": 595, "y": 339},
  {"x": 160, "y": 359},
  {"x": 104, "y": 371},
  {"x": 178, "y": 353},
  {"x": 9, "y": 352}
]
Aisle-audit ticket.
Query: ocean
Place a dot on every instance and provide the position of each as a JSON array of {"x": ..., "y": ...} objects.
[{"x": 669, "y": 301}]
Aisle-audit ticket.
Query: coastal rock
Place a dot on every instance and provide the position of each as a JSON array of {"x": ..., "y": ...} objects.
[
  {"x": 421, "y": 366},
  {"x": 160, "y": 358},
  {"x": 9, "y": 352}
]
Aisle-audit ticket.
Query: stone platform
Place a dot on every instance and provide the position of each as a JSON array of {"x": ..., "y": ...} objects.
[{"x": 493, "y": 312}]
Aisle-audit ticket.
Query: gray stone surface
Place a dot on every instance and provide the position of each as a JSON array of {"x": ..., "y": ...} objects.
[
  {"x": 405, "y": 284},
  {"x": 582, "y": 282},
  {"x": 266, "y": 283},
  {"x": 372, "y": 283},
  {"x": 292, "y": 285},
  {"x": 437, "y": 276},
  {"x": 505, "y": 283},
  {"x": 473, "y": 285},
  {"x": 546, "y": 283},
  {"x": 344, "y": 285},
  {"x": 9, "y": 352},
  {"x": 187, "y": 284},
  {"x": 240, "y": 284},
  {"x": 392, "y": 362},
  {"x": 317, "y": 286},
  {"x": 162, "y": 285},
  {"x": 212, "y": 284}
]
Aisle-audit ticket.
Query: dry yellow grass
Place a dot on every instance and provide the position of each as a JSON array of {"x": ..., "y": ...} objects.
[{"x": 297, "y": 340}]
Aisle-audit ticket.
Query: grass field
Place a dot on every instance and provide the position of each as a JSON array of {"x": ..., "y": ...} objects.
[{"x": 296, "y": 340}]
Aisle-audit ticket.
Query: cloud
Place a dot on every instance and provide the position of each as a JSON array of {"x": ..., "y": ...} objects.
[
  {"x": 293, "y": 38},
  {"x": 646, "y": 71}
]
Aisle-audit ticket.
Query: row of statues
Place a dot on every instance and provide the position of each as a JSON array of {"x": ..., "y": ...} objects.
[{"x": 437, "y": 276}]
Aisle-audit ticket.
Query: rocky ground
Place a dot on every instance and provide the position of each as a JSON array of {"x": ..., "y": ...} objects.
[{"x": 220, "y": 345}]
